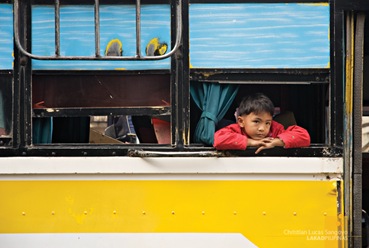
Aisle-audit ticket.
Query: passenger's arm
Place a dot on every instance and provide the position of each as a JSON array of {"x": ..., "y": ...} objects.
[
  {"x": 230, "y": 138},
  {"x": 295, "y": 136}
]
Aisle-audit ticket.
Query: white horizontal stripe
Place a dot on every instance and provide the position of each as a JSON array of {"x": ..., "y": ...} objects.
[
  {"x": 126, "y": 240},
  {"x": 176, "y": 177},
  {"x": 194, "y": 168}
]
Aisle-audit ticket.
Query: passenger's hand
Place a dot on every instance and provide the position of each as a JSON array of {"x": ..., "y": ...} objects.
[
  {"x": 268, "y": 143},
  {"x": 254, "y": 142}
]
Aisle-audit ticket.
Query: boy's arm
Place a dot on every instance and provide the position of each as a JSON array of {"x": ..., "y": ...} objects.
[
  {"x": 295, "y": 136},
  {"x": 230, "y": 138}
]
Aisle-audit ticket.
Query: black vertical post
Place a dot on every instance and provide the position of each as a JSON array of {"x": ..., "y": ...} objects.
[
  {"x": 180, "y": 85},
  {"x": 22, "y": 78},
  {"x": 357, "y": 131},
  {"x": 337, "y": 74}
]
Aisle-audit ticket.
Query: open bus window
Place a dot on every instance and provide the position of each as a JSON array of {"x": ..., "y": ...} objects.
[
  {"x": 121, "y": 129},
  {"x": 2, "y": 115},
  {"x": 365, "y": 134},
  {"x": 99, "y": 91},
  {"x": 126, "y": 129},
  {"x": 365, "y": 118},
  {"x": 5, "y": 110},
  {"x": 293, "y": 102},
  {"x": 63, "y": 105}
]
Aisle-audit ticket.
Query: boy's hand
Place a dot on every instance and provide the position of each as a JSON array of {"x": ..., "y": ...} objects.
[{"x": 266, "y": 143}]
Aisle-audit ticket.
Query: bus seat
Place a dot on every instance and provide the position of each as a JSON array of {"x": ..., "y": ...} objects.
[
  {"x": 122, "y": 129},
  {"x": 286, "y": 118},
  {"x": 162, "y": 130}
]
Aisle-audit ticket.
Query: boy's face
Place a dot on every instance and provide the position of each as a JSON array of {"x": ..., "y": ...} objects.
[{"x": 256, "y": 126}]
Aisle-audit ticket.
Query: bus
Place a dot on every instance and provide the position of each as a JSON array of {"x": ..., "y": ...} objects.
[{"x": 108, "y": 111}]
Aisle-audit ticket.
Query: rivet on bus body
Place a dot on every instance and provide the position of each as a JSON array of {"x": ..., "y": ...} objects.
[
  {"x": 203, "y": 212},
  {"x": 143, "y": 212},
  {"x": 173, "y": 212},
  {"x": 294, "y": 213},
  {"x": 264, "y": 213},
  {"x": 85, "y": 212},
  {"x": 23, "y": 213},
  {"x": 114, "y": 212},
  {"x": 234, "y": 212},
  {"x": 325, "y": 213},
  {"x": 52, "y": 212}
]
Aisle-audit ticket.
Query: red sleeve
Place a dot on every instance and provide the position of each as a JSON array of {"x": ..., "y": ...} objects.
[
  {"x": 294, "y": 136},
  {"x": 230, "y": 138}
]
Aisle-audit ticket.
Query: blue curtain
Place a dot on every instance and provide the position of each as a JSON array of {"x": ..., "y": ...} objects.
[{"x": 214, "y": 100}]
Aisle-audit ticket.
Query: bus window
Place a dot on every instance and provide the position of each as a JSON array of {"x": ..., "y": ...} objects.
[
  {"x": 5, "y": 108},
  {"x": 295, "y": 99},
  {"x": 365, "y": 121},
  {"x": 6, "y": 66},
  {"x": 163, "y": 98},
  {"x": 76, "y": 95}
]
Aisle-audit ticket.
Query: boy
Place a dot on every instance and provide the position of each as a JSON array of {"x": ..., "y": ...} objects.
[{"x": 255, "y": 127}]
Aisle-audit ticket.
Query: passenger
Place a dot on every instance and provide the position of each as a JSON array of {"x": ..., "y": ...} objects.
[{"x": 255, "y": 127}]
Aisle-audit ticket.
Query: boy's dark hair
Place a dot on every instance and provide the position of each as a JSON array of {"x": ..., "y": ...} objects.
[{"x": 256, "y": 103}]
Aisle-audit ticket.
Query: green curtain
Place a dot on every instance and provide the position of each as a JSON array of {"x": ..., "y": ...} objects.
[
  {"x": 213, "y": 100},
  {"x": 42, "y": 130}
]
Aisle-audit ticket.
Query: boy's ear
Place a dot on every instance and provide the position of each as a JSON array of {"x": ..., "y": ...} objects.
[{"x": 240, "y": 121}]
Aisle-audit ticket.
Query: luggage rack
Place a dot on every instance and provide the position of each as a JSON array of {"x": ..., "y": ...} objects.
[{"x": 98, "y": 56}]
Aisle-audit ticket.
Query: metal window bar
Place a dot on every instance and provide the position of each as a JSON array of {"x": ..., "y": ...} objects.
[
  {"x": 97, "y": 56},
  {"x": 138, "y": 28},
  {"x": 97, "y": 28},
  {"x": 57, "y": 28}
]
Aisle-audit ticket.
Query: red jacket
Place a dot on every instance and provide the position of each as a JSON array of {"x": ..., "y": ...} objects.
[{"x": 233, "y": 138}]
